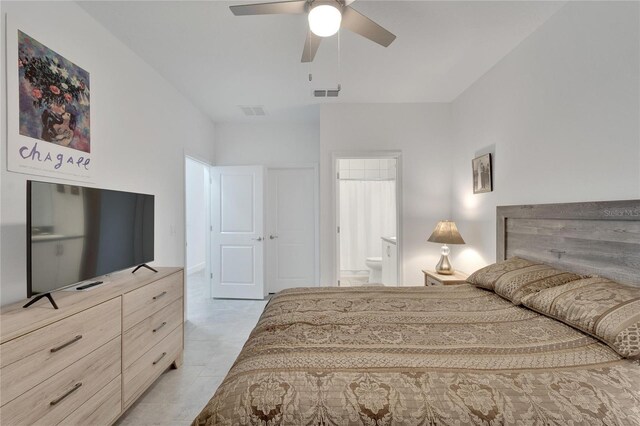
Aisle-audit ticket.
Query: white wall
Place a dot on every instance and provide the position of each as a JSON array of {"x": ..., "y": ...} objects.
[
  {"x": 560, "y": 113},
  {"x": 197, "y": 177},
  {"x": 266, "y": 143},
  {"x": 141, "y": 127},
  {"x": 422, "y": 133}
]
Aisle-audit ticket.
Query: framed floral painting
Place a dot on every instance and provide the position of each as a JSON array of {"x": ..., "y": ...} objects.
[
  {"x": 54, "y": 96},
  {"x": 52, "y": 115}
]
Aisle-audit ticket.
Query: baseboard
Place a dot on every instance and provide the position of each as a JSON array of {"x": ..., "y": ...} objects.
[{"x": 196, "y": 268}]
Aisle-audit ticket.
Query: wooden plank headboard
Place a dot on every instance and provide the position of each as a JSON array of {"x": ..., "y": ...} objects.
[{"x": 598, "y": 238}]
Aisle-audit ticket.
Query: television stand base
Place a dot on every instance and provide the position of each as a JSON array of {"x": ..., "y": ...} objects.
[
  {"x": 35, "y": 299},
  {"x": 86, "y": 286},
  {"x": 144, "y": 265}
]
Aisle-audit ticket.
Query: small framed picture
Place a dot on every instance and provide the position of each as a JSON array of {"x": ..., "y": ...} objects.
[{"x": 482, "y": 174}]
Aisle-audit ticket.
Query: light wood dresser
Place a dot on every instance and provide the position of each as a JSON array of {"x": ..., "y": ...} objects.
[{"x": 87, "y": 362}]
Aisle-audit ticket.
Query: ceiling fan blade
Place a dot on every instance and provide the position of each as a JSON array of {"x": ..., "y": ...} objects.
[
  {"x": 348, "y": 2},
  {"x": 311, "y": 45},
  {"x": 360, "y": 24},
  {"x": 280, "y": 7}
]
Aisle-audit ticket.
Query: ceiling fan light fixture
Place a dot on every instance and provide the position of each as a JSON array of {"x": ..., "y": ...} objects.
[{"x": 324, "y": 20}]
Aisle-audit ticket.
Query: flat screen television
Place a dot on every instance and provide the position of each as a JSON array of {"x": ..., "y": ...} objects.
[{"x": 75, "y": 233}]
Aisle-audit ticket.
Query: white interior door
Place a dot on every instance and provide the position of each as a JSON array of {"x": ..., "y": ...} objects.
[
  {"x": 237, "y": 239},
  {"x": 291, "y": 228}
]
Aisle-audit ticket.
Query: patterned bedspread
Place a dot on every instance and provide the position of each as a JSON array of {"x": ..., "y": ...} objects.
[{"x": 420, "y": 356}]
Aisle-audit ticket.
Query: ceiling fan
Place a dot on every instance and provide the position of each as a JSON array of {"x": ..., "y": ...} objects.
[{"x": 326, "y": 17}]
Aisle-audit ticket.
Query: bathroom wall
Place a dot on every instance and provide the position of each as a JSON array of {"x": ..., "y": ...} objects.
[{"x": 367, "y": 168}]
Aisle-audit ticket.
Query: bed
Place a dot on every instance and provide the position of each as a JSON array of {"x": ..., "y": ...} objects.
[{"x": 444, "y": 355}]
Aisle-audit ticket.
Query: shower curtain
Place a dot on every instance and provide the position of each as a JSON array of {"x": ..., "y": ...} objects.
[{"x": 367, "y": 212}]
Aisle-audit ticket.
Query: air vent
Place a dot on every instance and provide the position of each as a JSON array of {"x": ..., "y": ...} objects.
[
  {"x": 319, "y": 93},
  {"x": 252, "y": 110}
]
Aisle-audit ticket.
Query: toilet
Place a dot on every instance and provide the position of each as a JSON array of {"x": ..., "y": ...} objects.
[{"x": 375, "y": 269}]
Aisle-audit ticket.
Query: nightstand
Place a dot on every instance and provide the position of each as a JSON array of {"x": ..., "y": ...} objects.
[{"x": 433, "y": 278}]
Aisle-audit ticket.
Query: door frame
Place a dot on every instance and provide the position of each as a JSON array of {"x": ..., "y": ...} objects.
[
  {"x": 316, "y": 209},
  {"x": 364, "y": 154},
  {"x": 207, "y": 261}
]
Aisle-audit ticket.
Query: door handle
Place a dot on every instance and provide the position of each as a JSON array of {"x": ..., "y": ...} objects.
[
  {"x": 257, "y": 239},
  {"x": 273, "y": 237}
]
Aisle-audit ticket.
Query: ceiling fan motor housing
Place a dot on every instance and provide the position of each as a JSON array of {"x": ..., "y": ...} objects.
[{"x": 335, "y": 3}]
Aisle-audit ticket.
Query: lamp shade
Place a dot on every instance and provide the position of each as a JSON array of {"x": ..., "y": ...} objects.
[{"x": 446, "y": 232}]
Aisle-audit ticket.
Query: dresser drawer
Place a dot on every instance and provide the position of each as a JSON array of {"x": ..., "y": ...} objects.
[
  {"x": 147, "y": 333},
  {"x": 150, "y": 365},
  {"x": 57, "y": 397},
  {"x": 145, "y": 301},
  {"x": 102, "y": 408},
  {"x": 34, "y": 357}
]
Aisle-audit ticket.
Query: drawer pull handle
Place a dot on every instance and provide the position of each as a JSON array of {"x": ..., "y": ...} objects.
[
  {"x": 558, "y": 252},
  {"x": 158, "y": 360},
  {"x": 159, "y": 296},
  {"x": 64, "y": 345},
  {"x": 160, "y": 326},
  {"x": 69, "y": 392}
]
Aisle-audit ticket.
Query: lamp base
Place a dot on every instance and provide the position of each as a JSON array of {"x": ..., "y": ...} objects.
[{"x": 444, "y": 266}]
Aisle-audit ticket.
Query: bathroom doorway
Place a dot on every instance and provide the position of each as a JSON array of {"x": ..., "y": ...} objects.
[{"x": 368, "y": 217}]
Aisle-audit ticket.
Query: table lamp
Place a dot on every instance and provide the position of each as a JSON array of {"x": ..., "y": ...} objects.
[{"x": 445, "y": 233}]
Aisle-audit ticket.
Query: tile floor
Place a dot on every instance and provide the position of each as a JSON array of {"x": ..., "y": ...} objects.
[{"x": 215, "y": 332}]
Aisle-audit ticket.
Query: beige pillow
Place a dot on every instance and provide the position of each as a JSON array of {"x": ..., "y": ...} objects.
[
  {"x": 605, "y": 309},
  {"x": 487, "y": 276},
  {"x": 515, "y": 285}
]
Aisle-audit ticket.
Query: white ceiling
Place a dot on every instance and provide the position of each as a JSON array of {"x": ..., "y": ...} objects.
[{"x": 220, "y": 61}]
